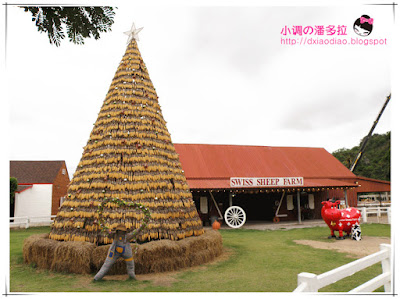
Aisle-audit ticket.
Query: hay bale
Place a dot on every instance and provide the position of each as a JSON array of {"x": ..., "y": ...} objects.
[
  {"x": 99, "y": 255},
  {"x": 39, "y": 250},
  {"x": 73, "y": 257},
  {"x": 160, "y": 256},
  {"x": 206, "y": 250},
  {"x": 165, "y": 255},
  {"x": 152, "y": 257}
]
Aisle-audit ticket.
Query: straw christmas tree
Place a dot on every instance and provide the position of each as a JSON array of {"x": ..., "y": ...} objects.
[{"x": 129, "y": 171}]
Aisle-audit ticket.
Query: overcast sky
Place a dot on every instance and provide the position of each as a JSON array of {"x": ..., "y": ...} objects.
[{"x": 222, "y": 75}]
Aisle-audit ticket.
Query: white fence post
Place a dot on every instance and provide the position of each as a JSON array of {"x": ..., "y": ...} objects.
[
  {"x": 389, "y": 214},
  {"x": 386, "y": 264},
  {"x": 307, "y": 282},
  {"x": 27, "y": 222},
  {"x": 364, "y": 214}
]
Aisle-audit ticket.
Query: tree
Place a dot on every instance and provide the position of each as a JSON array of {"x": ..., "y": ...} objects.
[
  {"x": 375, "y": 162},
  {"x": 13, "y": 188},
  {"x": 80, "y": 22}
]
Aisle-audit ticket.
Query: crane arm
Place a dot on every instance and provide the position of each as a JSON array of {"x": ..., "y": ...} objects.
[{"x": 364, "y": 144}]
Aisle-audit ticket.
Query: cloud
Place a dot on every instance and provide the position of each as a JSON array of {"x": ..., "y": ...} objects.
[
  {"x": 336, "y": 109},
  {"x": 221, "y": 73}
]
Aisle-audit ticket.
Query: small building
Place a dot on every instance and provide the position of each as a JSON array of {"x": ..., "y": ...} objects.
[
  {"x": 269, "y": 183},
  {"x": 41, "y": 185},
  {"x": 373, "y": 192}
]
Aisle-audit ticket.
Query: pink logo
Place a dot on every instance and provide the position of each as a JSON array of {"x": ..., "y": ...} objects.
[
  {"x": 369, "y": 21},
  {"x": 363, "y": 25}
]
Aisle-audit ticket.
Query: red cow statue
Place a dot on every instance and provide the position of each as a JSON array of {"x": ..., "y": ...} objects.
[{"x": 339, "y": 220}]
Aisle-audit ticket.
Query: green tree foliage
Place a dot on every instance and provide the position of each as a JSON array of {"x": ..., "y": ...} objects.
[
  {"x": 79, "y": 22},
  {"x": 13, "y": 188},
  {"x": 374, "y": 163}
]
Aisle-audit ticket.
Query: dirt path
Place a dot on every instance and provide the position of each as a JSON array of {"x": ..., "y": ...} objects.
[{"x": 355, "y": 249}]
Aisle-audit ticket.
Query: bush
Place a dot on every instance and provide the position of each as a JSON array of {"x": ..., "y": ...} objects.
[{"x": 13, "y": 188}]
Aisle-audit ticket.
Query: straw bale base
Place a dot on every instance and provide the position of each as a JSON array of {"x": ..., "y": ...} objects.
[{"x": 152, "y": 257}]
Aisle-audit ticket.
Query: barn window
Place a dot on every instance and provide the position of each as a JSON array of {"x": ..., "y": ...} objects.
[
  {"x": 289, "y": 201},
  {"x": 311, "y": 201},
  {"x": 203, "y": 205},
  {"x": 63, "y": 171}
]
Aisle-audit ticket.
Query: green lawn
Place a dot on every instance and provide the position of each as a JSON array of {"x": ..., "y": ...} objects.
[{"x": 258, "y": 261}]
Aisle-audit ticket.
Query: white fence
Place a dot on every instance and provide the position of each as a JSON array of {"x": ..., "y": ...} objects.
[
  {"x": 27, "y": 221},
  {"x": 378, "y": 211},
  {"x": 308, "y": 282},
  {"x": 374, "y": 204}
]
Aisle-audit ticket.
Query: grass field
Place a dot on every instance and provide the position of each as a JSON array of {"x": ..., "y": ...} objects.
[{"x": 256, "y": 261}]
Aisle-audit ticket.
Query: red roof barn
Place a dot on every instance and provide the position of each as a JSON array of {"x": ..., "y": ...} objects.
[{"x": 249, "y": 176}]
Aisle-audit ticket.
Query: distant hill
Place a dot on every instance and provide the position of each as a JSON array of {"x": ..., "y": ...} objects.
[{"x": 375, "y": 162}]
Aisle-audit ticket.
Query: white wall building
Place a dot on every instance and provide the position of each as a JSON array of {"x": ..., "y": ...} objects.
[
  {"x": 34, "y": 201},
  {"x": 41, "y": 185}
]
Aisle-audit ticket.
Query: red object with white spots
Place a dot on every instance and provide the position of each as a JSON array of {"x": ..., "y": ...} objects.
[{"x": 341, "y": 220}]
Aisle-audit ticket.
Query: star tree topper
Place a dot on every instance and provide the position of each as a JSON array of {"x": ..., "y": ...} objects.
[{"x": 133, "y": 33}]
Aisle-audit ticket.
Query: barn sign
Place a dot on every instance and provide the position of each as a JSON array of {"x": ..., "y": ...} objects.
[{"x": 267, "y": 182}]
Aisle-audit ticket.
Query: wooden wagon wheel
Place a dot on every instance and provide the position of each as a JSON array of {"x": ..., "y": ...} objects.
[{"x": 235, "y": 217}]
